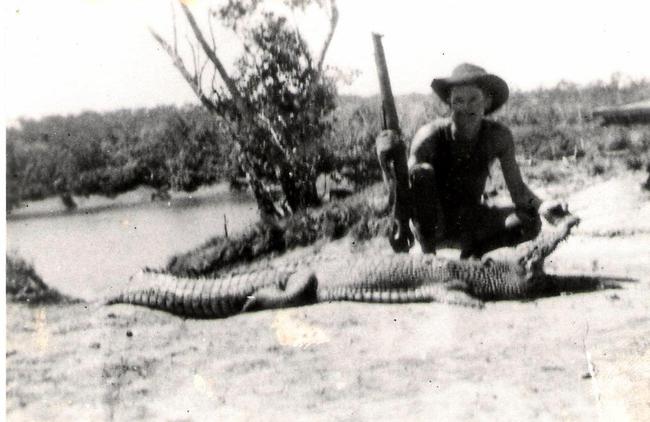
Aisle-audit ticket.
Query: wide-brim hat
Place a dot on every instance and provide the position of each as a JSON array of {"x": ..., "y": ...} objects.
[{"x": 469, "y": 74}]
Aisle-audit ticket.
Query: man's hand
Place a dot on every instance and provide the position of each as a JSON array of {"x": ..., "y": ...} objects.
[
  {"x": 386, "y": 139},
  {"x": 387, "y": 143},
  {"x": 553, "y": 210},
  {"x": 391, "y": 152},
  {"x": 400, "y": 237}
]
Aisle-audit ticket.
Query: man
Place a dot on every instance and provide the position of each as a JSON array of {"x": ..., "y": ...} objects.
[{"x": 448, "y": 166}]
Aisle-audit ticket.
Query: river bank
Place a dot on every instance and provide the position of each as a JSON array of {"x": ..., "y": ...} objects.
[{"x": 96, "y": 248}]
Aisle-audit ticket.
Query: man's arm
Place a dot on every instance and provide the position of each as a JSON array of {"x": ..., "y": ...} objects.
[
  {"x": 421, "y": 145},
  {"x": 520, "y": 193},
  {"x": 391, "y": 152}
]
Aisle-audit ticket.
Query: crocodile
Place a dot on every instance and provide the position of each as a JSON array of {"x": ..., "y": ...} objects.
[{"x": 362, "y": 277}]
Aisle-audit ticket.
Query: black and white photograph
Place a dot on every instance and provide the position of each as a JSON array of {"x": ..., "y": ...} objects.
[{"x": 326, "y": 210}]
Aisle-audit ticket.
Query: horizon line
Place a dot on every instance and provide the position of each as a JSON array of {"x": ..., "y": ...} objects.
[{"x": 622, "y": 79}]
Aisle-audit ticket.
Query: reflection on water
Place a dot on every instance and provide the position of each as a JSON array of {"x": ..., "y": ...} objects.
[{"x": 94, "y": 250}]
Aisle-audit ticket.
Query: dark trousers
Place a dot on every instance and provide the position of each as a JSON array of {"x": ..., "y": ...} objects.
[{"x": 476, "y": 228}]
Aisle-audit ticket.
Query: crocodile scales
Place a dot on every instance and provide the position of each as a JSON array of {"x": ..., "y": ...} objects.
[{"x": 361, "y": 277}]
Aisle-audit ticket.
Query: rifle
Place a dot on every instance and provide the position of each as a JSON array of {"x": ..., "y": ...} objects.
[
  {"x": 391, "y": 152},
  {"x": 388, "y": 110}
]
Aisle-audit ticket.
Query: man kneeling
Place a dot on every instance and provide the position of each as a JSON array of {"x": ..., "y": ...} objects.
[{"x": 448, "y": 166}]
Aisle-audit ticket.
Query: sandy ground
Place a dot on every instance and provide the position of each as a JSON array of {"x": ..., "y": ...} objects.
[{"x": 572, "y": 357}]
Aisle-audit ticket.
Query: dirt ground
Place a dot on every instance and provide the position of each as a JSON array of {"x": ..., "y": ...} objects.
[{"x": 572, "y": 357}]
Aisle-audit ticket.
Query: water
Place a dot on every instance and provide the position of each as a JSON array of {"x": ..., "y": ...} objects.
[{"x": 93, "y": 251}]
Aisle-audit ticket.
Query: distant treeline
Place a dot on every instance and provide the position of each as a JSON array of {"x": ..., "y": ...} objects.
[
  {"x": 111, "y": 153},
  {"x": 547, "y": 123},
  {"x": 182, "y": 148}
]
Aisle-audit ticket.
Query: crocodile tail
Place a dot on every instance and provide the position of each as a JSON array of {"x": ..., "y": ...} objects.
[{"x": 189, "y": 298}]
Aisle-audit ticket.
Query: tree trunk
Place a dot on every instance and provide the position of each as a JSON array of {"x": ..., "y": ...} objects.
[
  {"x": 299, "y": 188},
  {"x": 262, "y": 195},
  {"x": 68, "y": 201},
  {"x": 265, "y": 204}
]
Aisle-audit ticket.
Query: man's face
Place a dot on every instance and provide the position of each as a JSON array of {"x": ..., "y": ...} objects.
[{"x": 468, "y": 104}]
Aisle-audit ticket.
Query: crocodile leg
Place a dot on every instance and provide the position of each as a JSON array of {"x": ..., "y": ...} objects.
[
  {"x": 456, "y": 294},
  {"x": 300, "y": 289}
]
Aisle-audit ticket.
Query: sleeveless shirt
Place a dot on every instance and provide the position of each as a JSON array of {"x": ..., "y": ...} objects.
[{"x": 461, "y": 175}]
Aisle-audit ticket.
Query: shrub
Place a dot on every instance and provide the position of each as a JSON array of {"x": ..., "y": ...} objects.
[
  {"x": 634, "y": 162},
  {"x": 619, "y": 141},
  {"x": 597, "y": 169},
  {"x": 364, "y": 215},
  {"x": 25, "y": 285}
]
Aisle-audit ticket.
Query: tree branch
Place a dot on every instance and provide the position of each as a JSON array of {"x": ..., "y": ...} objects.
[
  {"x": 214, "y": 76},
  {"x": 241, "y": 105},
  {"x": 230, "y": 84},
  {"x": 195, "y": 60},
  {"x": 174, "y": 26},
  {"x": 214, "y": 44},
  {"x": 205, "y": 63},
  {"x": 334, "y": 18},
  {"x": 274, "y": 135},
  {"x": 178, "y": 63}
]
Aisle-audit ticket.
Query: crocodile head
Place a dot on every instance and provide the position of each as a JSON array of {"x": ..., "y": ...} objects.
[{"x": 530, "y": 255}]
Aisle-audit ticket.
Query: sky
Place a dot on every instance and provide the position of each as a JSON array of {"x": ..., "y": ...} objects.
[{"x": 66, "y": 56}]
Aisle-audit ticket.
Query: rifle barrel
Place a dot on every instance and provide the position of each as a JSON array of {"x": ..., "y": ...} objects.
[{"x": 389, "y": 112}]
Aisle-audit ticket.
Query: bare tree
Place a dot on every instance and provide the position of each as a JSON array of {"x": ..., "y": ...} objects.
[{"x": 275, "y": 102}]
